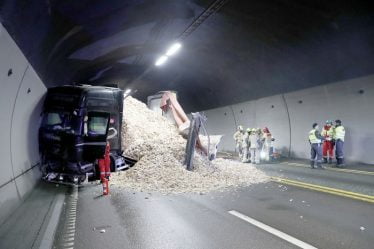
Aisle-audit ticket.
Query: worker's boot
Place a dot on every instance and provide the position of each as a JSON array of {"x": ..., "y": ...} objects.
[
  {"x": 319, "y": 165},
  {"x": 312, "y": 164},
  {"x": 341, "y": 164},
  {"x": 338, "y": 162},
  {"x": 325, "y": 160},
  {"x": 330, "y": 160}
]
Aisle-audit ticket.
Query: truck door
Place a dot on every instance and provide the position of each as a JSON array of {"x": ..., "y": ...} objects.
[{"x": 95, "y": 135}]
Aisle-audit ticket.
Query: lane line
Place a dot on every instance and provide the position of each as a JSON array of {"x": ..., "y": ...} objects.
[
  {"x": 272, "y": 230},
  {"x": 353, "y": 171},
  {"x": 67, "y": 239},
  {"x": 334, "y": 191},
  {"x": 68, "y": 244},
  {"x": 323, "y": 187}
]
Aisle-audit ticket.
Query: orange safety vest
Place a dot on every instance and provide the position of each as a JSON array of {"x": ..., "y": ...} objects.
[{"x": 327, "y": 132}]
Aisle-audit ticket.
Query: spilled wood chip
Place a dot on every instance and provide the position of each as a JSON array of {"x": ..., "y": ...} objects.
[{"x": 154, "y": 141}]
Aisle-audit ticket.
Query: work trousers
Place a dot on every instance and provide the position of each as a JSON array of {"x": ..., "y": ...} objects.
[
  {"x": 255, "y": 155},
  {"x": 240, "y": 149},
  {"x": 104, "y": 167},
  {"x": 328, "y": 149},
  {"x": 245, "y": 155},
  {"x": 266, "y": 150},
  {"x": 339, "y": 146},
  {"x": 316, "y": 154}
]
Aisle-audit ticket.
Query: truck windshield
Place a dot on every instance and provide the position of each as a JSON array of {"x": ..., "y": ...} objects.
[
  {"x": 53, "y": 118},
  {"x": 61, "y": 121}
]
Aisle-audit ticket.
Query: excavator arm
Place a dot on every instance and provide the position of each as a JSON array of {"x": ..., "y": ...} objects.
[{"x": 189, "y": 130}]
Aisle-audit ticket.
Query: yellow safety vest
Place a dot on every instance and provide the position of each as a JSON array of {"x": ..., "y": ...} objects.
[
  {"x": 312, "y": 137},
  {"x": 339, "y": 133}
]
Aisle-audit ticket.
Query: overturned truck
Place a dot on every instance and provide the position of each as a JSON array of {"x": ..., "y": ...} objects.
[{"x": 77, "y": 122}]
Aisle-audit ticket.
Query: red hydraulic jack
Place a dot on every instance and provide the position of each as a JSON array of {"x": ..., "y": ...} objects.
[{"x": 104, "y": 166}]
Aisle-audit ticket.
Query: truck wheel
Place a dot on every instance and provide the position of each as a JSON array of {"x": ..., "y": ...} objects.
[
  {"x": 96, "y": 173},
  {"x": 112, "y": 164}
]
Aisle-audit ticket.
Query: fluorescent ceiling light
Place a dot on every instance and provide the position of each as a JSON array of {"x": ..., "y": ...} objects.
[
  {"x": 127, "y": 91},
  {"x": 173, "y": 49},
  {"x": 160, "y": 61}
]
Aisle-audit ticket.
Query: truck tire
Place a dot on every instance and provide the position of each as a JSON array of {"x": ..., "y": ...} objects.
[{"x": 112, "y": 164}]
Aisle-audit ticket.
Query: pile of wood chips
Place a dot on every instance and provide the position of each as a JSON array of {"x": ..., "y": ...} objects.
[{"x": 154, "y": 141}]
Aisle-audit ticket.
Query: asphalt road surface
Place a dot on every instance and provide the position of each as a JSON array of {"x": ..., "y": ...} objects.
[{"x": 267, "y": 215}]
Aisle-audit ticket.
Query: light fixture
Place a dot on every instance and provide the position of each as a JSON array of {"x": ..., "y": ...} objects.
[
  {"x": 173, "y": 49},
  {"x": 128, "y": 91},
  {"x": 160, "y": 61}
]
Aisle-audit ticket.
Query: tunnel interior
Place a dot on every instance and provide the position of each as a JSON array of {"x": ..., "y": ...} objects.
[
  {"x": 245, "y": 51},
  {"x": 279, "y": 64}
]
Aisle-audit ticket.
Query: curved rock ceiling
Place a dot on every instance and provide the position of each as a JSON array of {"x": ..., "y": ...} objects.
[{"x": 247, "y": 50}]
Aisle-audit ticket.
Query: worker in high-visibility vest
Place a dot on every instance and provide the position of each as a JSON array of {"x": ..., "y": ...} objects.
[
  {"x": 339, "y": 135},
  {"x": 315, "y": 140},
  {"x": 238, "y": 137},
  {"x": 267, "y": 140},
  {"x": 255, "y": 145},
  {"x": 246, "y": 146},
  {"x": 328, "y": 145}
]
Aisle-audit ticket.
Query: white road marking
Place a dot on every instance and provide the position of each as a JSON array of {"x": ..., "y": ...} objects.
[
  {"x": 69, "y": 226},
  {"x": 68, "y": 244},
  {"x": 69, "y": 239},
  {"x": 273, "y": 231}
]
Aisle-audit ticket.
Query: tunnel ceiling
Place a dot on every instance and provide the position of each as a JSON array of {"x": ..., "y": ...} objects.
[{"x": 247, "y": 50}]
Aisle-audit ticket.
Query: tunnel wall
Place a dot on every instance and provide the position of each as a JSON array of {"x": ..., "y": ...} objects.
[
  {"x": 21, "y": 95},
  {"x": 290, "y": 117}
]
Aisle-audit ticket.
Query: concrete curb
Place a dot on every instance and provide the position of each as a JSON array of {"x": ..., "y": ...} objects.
[{"x": 48, "y": 237}]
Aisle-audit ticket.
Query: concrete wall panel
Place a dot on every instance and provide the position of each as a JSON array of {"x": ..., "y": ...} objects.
[
  {"x": 9, "y": 200},
  {"x": 271, "y": 112},
  {"x": 25, "y": 122},
  {"x": 303, "y": 115},
  {"x": 26, "y": 182},
  {"x": 268, "y": 112},
  {"x": 21, "y": 95},
  {"x": 221, "y": 122},
  {"x": 245, "y": 114},
  {"x": 11, "y": 59},
  {"x": 290, "y": 117},
  {"x": 336, "y": 101}
]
